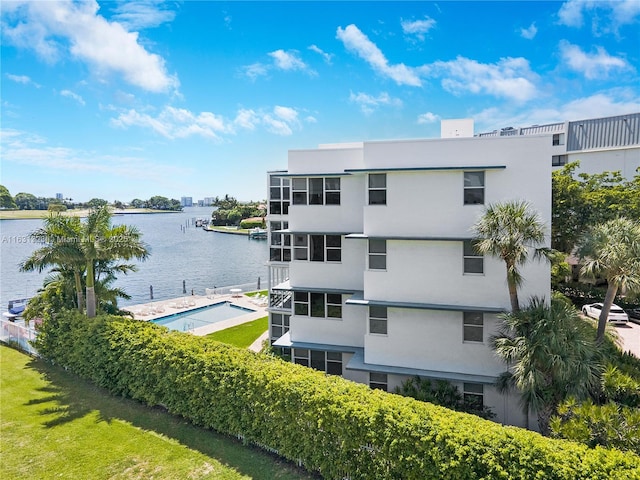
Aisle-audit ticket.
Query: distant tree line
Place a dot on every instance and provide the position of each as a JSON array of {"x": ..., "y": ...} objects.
[
  {"x": 28, "y": 201},
  {"x": 231, "y": 212}
]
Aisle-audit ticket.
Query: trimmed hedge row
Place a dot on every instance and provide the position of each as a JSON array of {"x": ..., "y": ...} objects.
[{"x": 330, "y": 425}]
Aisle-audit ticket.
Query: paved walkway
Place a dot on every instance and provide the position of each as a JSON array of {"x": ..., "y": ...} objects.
[{"x": 163, "y": 308}]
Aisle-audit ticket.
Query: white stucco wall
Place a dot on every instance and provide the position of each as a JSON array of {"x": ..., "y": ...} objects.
[
  {"x": 324, "y": 160},
  {"x": 346, "y": 331},
  {"x": 625, "y": 160}
]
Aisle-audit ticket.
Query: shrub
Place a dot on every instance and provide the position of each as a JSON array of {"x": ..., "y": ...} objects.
[{"x": 326, "y": 423}]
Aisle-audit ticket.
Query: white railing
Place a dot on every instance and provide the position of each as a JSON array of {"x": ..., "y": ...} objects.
[{"x": 18, "y": 335}]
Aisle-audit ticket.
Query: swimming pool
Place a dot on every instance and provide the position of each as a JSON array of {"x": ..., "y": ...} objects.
[{"x": 202, "y": 316}]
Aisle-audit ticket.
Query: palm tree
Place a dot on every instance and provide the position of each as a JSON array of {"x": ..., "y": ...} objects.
[
  {"x": 61, "y": 236},
  {"x": 551, "y": 356},
  {"x": 612, "y": 250},
  {"x": 509, "y": 231},
  {"x": 103, "y": 242}
]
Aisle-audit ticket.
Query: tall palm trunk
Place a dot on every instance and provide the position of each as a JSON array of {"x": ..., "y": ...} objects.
[
  {"x": 91, "y": 292},
  {"x": 612, "y": 289},
  {"x": 512, "y": 284},
  {"x": 79, "y": 295}
]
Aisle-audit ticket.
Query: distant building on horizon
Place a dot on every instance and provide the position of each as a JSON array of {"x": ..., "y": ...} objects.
[
  {"x": 186, "y": 201},
  {"x": 59, "y": 196},
  {"x": 208, "y": 201}
]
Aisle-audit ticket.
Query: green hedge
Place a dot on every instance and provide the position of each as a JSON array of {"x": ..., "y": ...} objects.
[{"x": 326, "y": 423}]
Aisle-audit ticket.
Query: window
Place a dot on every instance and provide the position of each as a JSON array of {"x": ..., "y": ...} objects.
[
  {"x": 473, "y": 188},
  {"x": 279, "y": 196},
  {"x": 377, "y": 189},
  {"x": 300, "y": 247},
  {"x": 559, "y": 160},
  {"x": 301, "y": 303},
  {"x": 321, "y": 305},
  {"x": 473, "y": 261},
  {"x": 472, "y": 326},
  {"x": 558, "y": 139},
  {"x": 473, "y": 394},
  {"x": 378, "y": 380},
  {"x": 377, "y": 254},
  {"x": 279, "y": 325},
  {"x": 318, "y": 248},
  {"x": 299, "y": 191},
  {"x": 378, "y": 320},
  {"x": 332, "y": 191},
  {"x": 329, "y": 362},
  {"x": 316, "y": 191},
  {"x": 280, "y": 248}
]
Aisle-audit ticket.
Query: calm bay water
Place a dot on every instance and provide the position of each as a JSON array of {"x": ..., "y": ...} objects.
[{"x": 179, "y": 252}]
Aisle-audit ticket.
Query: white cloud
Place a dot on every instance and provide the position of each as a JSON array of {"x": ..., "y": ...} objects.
[
  {"x": 510, "y": 78},
  {"x": 418, "y": 28},
  {"x": 607, "y": 16},
  {"x": 593, "y": 66},
  {"x": 357, "y": 42},
  {"x": 289, "y": 61},
  {"x": 530, "y": 32},
  {"x": 26, "y": 149},
  {"x": 256, "y": 70},
  {"x": 178, "y": 123},
  {"x": 24, "y": 79},
  {"x": 428, "y": 117},
  {"x": 72, "y": 95},
  {"x": 140, "y": 14},
  {"x": 368, "y": 103},
  {"x": 326, "y": 56},
  {"x": 58, "y": 29}
]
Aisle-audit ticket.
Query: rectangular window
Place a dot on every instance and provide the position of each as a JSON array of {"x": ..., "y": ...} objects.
[
  {"x": 279, "y": 325},
  {"x": 301, "y": 356},
  {"x": 377, "y": 189},
  {"x": 378, "y": 320},
  {"x": 299, "y": 189},
  {"x": 317, "y": 248},
  {"x": 558, "y": 139},
  {"x": 316, "y": 191},
  {"x": 318, "y": 360},
  {"x": 317, "y": 305},
  {"x": 559, "y": 160},
  {"x": 473, "y": 188},
  {"x": 279, "y": 196},
  {"x": 334, "y": 305},
  {"x": 378, "y": 380},
  {"x": 377, "y": 254},
  {"x": 300, "y": 248},
  {"x": 473, "y": 327},
  {"x": 334, "y": 363},
  {"x": 473, "y": 261},
  {"x": 332, "y": 191},
  {"x": 334, "y": 248},
  {"x": 473, "y": 394},
  {"x": 301, "y": 303}
]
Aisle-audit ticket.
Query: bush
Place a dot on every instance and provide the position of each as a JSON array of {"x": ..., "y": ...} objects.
[
  {"x": 328, "y": 424},
  {"x": 252, "y": 224}
]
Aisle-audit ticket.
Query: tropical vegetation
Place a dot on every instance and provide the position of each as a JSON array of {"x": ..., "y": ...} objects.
[
  {"x": 510, "y": 231},
  {"x": 612, "y": 250},
  {"x": 88, "y": 251},
  {"x": 551, "y": 356},
  {"x": 326, "y": 423},
  {"x": 230, "y": 211}
]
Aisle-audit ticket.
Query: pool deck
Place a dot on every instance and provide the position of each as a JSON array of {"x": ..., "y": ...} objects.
[{"x": 163, "y": 308}]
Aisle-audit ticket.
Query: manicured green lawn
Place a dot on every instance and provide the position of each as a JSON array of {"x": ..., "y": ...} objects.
[
  {"x": 242, "y": 335},
  {"x": 54, "y": 425}
]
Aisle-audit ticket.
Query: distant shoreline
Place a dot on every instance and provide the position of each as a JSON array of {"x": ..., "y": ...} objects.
[{"x": 82, "y": 212}]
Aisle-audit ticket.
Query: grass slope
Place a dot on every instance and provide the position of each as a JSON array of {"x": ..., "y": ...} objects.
[
  {"x": 54, "y": 425},
  {"x": 242, "y": 335}
]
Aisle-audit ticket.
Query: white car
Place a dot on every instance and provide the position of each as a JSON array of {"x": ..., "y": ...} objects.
[{"x": 616, "y": 314}]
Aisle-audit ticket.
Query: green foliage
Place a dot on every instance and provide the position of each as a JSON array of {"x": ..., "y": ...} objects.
[
  {"x": 242, "y": 335},
  {"x": 247, "y": 224},
  {"x": 443, "y": 393},
  {"x": 583, "y": 200},
  {"x": 328, "y": 424},
  {"x": 6, "y": 200},
  {"x": 610, "y": 425},
  {"x": 232, "y": 212},
  {"x": 27, "y": 201}
]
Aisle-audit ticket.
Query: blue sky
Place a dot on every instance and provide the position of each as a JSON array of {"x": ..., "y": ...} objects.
[{"x": 124, "y": 100}]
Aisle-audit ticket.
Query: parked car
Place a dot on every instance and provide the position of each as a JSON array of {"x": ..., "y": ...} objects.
[
  {"x": 616, "y": 314},
  {"x": 634, "y": 313}
]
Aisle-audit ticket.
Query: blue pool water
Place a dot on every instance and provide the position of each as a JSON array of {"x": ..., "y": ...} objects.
[{"x": 202, "y": 316}]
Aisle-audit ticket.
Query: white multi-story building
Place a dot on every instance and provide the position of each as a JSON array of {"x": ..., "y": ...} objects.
[
  {"x": 372, "y": 274},
  {"x": 600, "y": 144}
]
